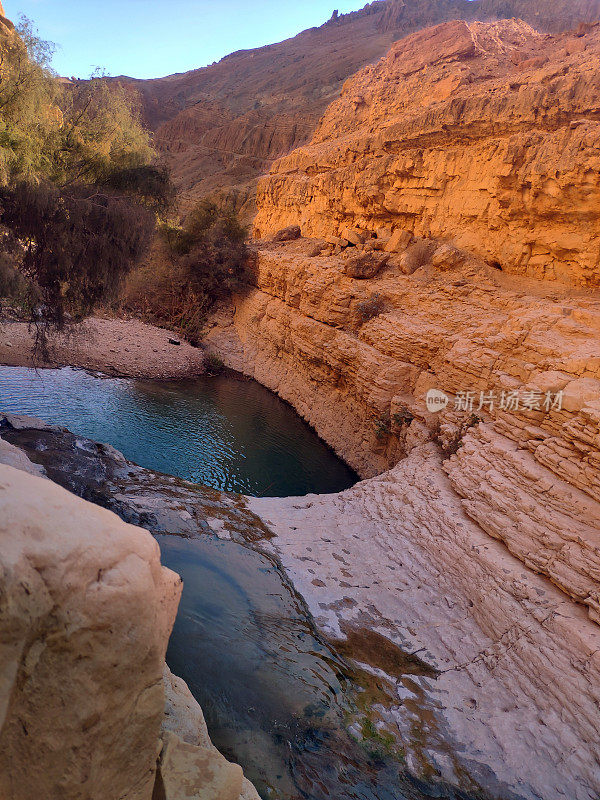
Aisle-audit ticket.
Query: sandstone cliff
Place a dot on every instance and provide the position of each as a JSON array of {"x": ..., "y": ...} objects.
[
  {"x": 484, "y": 135},
  {"x": 221, "y": 126},
  {"x": 473, "y": 547}
]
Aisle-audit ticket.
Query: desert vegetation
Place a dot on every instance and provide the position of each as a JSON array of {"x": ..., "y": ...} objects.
[
  {"x": 79, "y": 188},
  {"x": 86, "y": 211},
  {"x": 193, "y": 265}
]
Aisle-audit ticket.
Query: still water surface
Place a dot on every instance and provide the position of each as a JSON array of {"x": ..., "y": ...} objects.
[
  {"x": 275, "y": 695},
  {"x": 222, "y": 432}
]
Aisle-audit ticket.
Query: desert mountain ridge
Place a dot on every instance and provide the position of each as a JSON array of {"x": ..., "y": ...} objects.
[{"x": 220, "y": 127}]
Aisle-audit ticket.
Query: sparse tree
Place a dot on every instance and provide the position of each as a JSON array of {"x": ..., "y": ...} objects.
[{"x": 75, "y": 247}]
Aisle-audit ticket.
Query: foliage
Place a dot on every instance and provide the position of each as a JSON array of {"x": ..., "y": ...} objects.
[
  {"x": 214, "y": 364},
  {"x": 68, "y": 131},
  {"x": 149, "y": 183},
  {"x": 12, "y": 283},
  {"x": 206, "y": 224},
  {"x": 195, "y": 266},
  {"x": 101, "y": 134},
  {"x": 76, "y": 245},
  {"x": 28, "y": 115},
  {"x": 76, "y": 170},
  {"x": 402, "y": 418},
  {"x": 383, "y": 427}
]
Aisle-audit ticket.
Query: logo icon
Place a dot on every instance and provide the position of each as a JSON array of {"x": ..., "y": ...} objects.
[{"x": 436, "y": 400}]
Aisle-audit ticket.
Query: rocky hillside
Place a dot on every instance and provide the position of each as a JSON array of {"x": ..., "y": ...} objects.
[
  {"x": 220, "y": 127},
  {"x": 405, "y": 16},
  {"x": 484, "y": 135}
]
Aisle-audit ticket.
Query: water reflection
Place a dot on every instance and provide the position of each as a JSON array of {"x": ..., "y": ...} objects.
[
  {"x": 226, "y": 433},
  {"x": 275, "y": 696}
]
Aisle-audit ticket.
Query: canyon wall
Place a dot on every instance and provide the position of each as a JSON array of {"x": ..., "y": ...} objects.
[
  {"x": 486, "y": 136},
  {"x": 475, "y": 539},
  {"x": 406, "y": 16},
  {"x": 220, "y": 127},
  {"x": 362, "y": 384},
  {"x": 468, "y": 153}
]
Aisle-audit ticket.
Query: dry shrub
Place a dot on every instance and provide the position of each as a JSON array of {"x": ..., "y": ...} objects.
[
  {"x": 450, "y": 436},
  {"x": 370, "y": 308},
  {"x": 73, "y": 246},
  {"x": 190, "y": 269}
]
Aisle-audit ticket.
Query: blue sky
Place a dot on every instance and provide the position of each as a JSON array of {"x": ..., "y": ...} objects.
[{"x": 148, "y": 38}]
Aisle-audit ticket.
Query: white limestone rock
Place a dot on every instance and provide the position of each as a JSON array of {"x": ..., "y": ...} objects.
[{"x": 85, "y": 614}]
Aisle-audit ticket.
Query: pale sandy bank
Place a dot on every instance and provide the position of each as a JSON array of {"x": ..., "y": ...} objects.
[{"x": 125, "y": 347}]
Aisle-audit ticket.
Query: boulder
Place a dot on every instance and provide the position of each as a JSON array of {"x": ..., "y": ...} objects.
[
  {"x": 399, "y": 241},
  {"x": 14, "y": 457},
  {"x": 447, "y": 257},
  {"x": 288, "y": 234},
  {"x": 355, "y": 236},
  {"x": 374, "y": 244},
  {"x": 366, "y": 265},
  {"x": 86, "y": 610},
  {"x": 188, "y": 772}
]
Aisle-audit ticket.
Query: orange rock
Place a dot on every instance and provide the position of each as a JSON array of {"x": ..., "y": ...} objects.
[{"x": 484, "y": 134}]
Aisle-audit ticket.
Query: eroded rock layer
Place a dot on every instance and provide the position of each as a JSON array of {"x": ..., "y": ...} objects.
[
  {"x": 362, "y": 381},
  {"x": 221, "y": 126},
  {"x": 486, "y": 135},
  {"x": 475, "y": 541},
  {"x": 472, "y": 549}
]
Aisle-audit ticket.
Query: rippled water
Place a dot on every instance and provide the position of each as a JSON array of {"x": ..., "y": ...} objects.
[{"x": 222, "y": 432}]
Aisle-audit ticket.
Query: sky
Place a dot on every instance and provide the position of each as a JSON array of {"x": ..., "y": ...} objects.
[{"x": 150, "y": 39}]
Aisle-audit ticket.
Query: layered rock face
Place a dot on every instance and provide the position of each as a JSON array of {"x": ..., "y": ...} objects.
[
  {"x": 513, "y": 710},
  {"x": 485, "y": 135},
  {"x": 472, "y": 548},
  {"x": 475, "y": 538},
  {"x": 220, "y": 127},
  {"x": 360, "y": 376}
]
